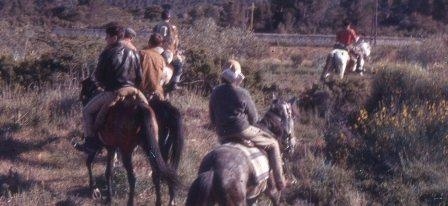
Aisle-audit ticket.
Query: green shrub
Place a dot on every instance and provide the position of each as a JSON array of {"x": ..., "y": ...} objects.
[
  {"x": 403, "y": 86},
  {"x": 208, "y": 47},
  {"x": 402, "y": 127}
]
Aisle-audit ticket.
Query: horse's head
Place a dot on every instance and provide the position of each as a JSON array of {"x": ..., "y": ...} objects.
[
  {"x": 364, "y": 47},
  {"x": 88, "y": 90},
  {"x": 285, "y": 113}
]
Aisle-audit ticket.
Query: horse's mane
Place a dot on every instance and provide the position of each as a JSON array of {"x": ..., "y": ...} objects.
[{"x": 271, "y": 123}]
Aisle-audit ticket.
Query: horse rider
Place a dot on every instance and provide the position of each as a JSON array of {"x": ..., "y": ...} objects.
[
  {"x": 118, "y": 72},
  {"x": 129, "y": 36},
  {"x": 152, "y": 63},
  {"x": 234, "y": 115},
  {"x": 170, "y": 35},
  {"x": 345, "y": 39}
]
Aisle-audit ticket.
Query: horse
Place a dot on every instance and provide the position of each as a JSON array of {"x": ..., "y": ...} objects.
[
  {"x": 227, "y": 177},
  {"x": 339, "y": 60},
  {"x": 130, "y": 123}
]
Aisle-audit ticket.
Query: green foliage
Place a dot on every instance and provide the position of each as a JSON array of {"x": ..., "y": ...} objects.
[
  {"x": 405, "y": 86},
  {"x": 29, "y": 72},
  {"x": 402, "y": 127},
  {"x": 208, "y": 47}
]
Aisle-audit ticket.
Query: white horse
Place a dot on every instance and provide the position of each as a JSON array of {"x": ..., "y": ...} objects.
[{"x": 339, "y": 60}]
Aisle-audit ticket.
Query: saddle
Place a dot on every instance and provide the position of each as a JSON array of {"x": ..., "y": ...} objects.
[
  {"x": 260, "y": 167},
  {"x": 121, "y": 95},
  {"x": 256, "y": 157}
]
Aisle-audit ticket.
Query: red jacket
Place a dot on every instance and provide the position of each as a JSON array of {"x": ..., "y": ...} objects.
[{"x": 346, "y": 37}]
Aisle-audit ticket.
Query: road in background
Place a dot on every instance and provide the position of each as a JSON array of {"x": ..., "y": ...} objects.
[{"x": 273, "y": 39}]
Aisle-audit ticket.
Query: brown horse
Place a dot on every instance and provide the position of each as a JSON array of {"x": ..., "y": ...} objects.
[
  {"x": 130, "y": 123},
  {"x": 226, "y": 176}
]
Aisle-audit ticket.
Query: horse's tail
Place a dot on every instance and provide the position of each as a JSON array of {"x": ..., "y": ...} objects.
[
  {"x": 149, "y": 133},
  {"x": 201, "y": 189},
  {"x": 171, "y": 141},
  {"x": 176, "y": 139}
]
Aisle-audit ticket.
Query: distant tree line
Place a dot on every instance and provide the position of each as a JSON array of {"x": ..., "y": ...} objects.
[{"x": 394, "y": 17}]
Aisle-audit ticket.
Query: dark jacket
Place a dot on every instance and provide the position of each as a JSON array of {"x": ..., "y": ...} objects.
[
  {"x": 231, "y": 109},
  {"x": 118, "y": 66}
]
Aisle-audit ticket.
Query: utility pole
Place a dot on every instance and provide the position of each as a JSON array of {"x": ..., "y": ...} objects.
[
  {"x": 252, "y": 11},
  {"x": 376, "y": 22}
]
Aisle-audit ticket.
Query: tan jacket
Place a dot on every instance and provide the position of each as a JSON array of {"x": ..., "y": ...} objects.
[{"x": 152, "y": 70}]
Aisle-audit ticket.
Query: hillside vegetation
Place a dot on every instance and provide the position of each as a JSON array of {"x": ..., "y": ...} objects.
[{"x": 380, "y": 139}]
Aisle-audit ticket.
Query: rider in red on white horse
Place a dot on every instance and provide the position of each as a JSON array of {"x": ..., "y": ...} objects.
[{"x": 345, "y": 39}]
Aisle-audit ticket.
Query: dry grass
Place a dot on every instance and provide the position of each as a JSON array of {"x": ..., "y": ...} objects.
[{"x": 39, "y": 166}]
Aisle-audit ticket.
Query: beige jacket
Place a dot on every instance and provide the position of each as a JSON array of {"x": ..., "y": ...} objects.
[{"x": 152, "y": 69}]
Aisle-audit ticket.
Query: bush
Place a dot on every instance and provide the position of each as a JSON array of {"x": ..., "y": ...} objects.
[
  {"x": 30, "y": 72},
  {"x": 431, "y": 51},
  {"x": 296, "y": 60},
  {"x": 402, "y": 127},
  {"x": 153, "y": 13},
  {"x": 404, "y": 86},
  {"x": 208, "y": 47}
]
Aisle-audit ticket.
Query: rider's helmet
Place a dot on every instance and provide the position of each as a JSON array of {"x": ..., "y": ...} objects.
[{"x": 232, "y": 72}]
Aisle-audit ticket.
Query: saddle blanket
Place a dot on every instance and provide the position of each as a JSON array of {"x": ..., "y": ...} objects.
[{"x": 258, "y": 160}]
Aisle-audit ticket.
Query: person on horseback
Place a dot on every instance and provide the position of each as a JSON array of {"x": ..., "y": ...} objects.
[
  {"x": 345, "y": 39},
  {"x": 129, "y": 36},
  {"x": 170, "y": 44},
  {"x": 118, "y": 72},
  {"x": 234, "y": 115},
  {"x": 153, "y": 63}
]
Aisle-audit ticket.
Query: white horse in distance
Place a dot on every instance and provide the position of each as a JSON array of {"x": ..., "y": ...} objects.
[{"x": 339, "y": 60}]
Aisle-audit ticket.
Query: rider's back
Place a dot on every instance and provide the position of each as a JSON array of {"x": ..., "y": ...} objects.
[
  {"x": 232, "y": 109},
  {"x": 118, "y": 66},
  {"x": 346, "y": 37},
  {"x": 152, "y": 68}
]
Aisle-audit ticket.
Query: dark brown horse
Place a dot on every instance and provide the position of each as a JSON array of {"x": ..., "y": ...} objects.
[
  {"x": 130, "y": 123},
  {"x": 226, "y": 175}
]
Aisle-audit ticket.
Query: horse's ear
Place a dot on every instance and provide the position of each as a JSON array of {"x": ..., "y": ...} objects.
[{"x": 293, "y": 101}]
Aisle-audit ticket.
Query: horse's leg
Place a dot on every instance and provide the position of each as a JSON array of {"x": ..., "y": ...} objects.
[
  {"x": 127, "y": 163},
  {"x": 342, "y": 66},
  {"x": 116, "y": 161},
  {"x": 328, "y": 64},
  {"x": 109, "y": 158},
  {"x": 165, "y": 146},
  {"x": 94, "y": 191},
  {"x": 361, "y": 65},
  {"x": 156, "y": 181},
  {"x": 271, "y": 191}
]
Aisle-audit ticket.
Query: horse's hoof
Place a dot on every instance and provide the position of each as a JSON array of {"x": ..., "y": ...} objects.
[{"x": 96, "y": 194}]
